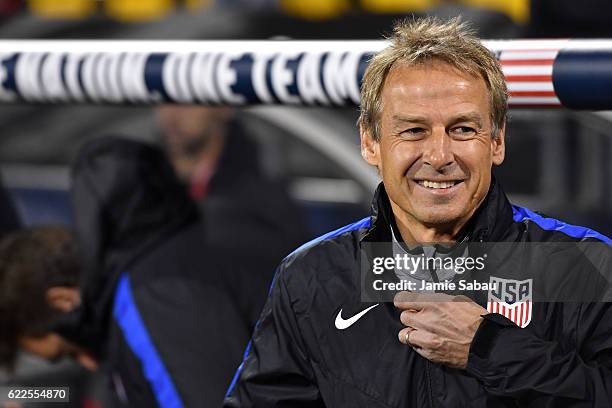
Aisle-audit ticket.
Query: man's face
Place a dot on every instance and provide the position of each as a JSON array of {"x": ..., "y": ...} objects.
[
  {"x": 183, "y": 126},
  {"x": 435, "y": 151},
  {"x": 192, "y": 135}
]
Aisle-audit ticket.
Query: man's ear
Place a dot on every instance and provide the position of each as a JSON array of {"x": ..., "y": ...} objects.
[
  {"x": 63, "y": 298},
  {"x": 498, "y": 146},
  {"x": 370, "y": 148}
]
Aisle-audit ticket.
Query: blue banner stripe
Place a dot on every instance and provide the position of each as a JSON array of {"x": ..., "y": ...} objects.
[
  {"x": 583, "y": 78},
  {"x": 521, "y": 214},
  {"x": 137, "y": 337},
  {"x": 153, "y": 75}
]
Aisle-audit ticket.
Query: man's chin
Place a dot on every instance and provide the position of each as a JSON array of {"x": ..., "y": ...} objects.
[{"x": 442, "y": 218}]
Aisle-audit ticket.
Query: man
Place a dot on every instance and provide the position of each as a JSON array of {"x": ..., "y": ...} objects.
[
  {"x": 433, "y": 114},
  {"x": 244, "y": 209},
  {"x": 160, "y": 300},
  {"x": 194, "y": 138},
  {"x": 165, "y": 312}
]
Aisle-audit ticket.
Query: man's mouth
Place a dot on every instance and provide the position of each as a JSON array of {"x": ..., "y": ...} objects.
[{"x": 438, "y": 185}]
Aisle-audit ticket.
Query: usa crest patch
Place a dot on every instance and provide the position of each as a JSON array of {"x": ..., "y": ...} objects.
[{"x": 512, "y": 299}]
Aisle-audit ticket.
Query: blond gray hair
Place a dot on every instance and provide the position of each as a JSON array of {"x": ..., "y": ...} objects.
[{"x": 415, "y": 42}]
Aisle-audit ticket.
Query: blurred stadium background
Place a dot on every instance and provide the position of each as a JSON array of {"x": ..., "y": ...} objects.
[{"x": 558, "y": 160}]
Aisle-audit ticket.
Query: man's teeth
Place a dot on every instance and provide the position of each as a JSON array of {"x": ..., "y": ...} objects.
[{"x": 437, "y": 184}]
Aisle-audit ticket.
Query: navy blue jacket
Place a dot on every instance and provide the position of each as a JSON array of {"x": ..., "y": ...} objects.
[{"x": 562, "y": 358}]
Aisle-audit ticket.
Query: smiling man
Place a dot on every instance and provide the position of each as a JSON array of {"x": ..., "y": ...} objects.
[
  {"x": 438, "y": 147},
  {"x": 433, "y": 115}
]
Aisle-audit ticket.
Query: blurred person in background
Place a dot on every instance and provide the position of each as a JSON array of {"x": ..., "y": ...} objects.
[
  {"x": 39, "y": 275},
  {"x": 214, "y": 155},
  {"x": 166, "y": 310}
]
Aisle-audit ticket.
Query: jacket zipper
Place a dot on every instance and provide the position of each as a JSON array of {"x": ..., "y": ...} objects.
[{"x": 428, "y": 380}]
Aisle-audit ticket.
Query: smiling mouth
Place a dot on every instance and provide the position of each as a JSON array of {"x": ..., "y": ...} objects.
[{"x": 438, "y": 185}]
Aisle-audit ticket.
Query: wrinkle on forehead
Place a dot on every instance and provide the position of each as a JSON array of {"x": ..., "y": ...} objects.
[{"x": 435, "y": 85}]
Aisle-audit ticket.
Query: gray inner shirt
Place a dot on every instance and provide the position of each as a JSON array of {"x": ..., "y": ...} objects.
[{"x": 422, "y": 273}]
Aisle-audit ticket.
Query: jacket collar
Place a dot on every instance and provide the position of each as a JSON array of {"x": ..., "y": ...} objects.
[{"x": 490, "y": 223}]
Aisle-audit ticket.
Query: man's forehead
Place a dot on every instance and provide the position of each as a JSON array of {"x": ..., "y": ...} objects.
[
  {"x": 433, "y": 65},
  {"x": 431, "y": 78},
  {"x": 416, "y": 89}
]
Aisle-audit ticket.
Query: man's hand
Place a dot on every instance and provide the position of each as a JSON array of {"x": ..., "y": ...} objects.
[{"x": 439, "y": 327}]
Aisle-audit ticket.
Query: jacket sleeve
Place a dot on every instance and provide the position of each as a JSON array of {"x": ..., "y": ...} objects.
[
  {"x": 513, "y": 362},
  {"x": 275, "y": 371}
]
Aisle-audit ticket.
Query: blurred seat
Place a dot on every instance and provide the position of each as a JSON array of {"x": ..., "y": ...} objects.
[
  {"x": 315, "y": 9},
  {"x": 398, "y": 6},
  {"x": 138, "y": 10},
  {"x": 64, "y": 9}
]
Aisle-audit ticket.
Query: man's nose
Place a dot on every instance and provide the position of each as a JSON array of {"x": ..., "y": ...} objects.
[{"x": 438, "y": 153}]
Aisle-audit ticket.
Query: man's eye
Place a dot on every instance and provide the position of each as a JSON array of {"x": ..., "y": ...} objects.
[
  {"x": 463, "y": 131},
  {"x": 414, "y": 132}
]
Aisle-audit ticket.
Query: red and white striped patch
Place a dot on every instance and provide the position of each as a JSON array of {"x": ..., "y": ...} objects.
[
  {"x": 519, "y": 313},
  {"x": 529, "y": 76},
  {"x": 512, "y": 299}
]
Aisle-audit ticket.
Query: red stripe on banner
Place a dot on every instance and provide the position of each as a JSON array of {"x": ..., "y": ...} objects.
[
  {"x": 529, "y": 50},
  {"x": 528, "y": 78},
  {"x": 519, "y": 311},
  {"x": 533, "y": 93},
  {"x": 527, "y": 62},
  {"x": 503, "y": 310}
]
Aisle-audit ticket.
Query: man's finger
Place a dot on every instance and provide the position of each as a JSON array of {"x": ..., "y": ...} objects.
[
  {"x": 405, "y": 296},
  {"x": 418, "y": 301},
  {"x": 421, "y": 339},
  {"x": 407, "y": 300},
  {"x": 407, "y": 317},
  {"x": 404, "y": 335}
]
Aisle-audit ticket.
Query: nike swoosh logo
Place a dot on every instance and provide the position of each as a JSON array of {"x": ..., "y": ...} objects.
[{"x": 342, "y": 324}]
